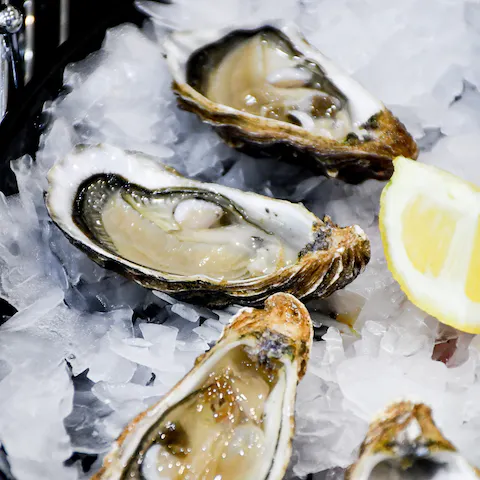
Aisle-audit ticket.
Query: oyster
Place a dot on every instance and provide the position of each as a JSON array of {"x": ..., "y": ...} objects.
[
  {"x": 404, "y": 443},
  {"x": 231, "y": 416},
  {"x": 202, "y": 242},
  {"x": 267, "y": 91}
]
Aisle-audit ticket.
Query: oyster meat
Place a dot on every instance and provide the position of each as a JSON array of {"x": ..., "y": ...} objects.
[
  {"x": 231, "y": 416},
  {"x": 405, "y": 444},
  {"x": 268, "y": 91},
  {"x": 202, "y": 242}
]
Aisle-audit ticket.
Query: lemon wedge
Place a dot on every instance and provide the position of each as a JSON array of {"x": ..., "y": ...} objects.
[{"x": 430, "y": 227}]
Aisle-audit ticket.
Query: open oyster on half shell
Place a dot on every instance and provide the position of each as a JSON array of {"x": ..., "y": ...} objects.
[
  {"x": 405, "y": 444},
  {"x": 197, "y": 241},
  {"x": 231, "y": 417},
  {"x": 267, "y": 91}
]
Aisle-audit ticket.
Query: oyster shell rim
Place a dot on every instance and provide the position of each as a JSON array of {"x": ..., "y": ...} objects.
[
  {"x": 303, "y": 278},
  {"x": 391, "y": 426},
  {"x": 244, "y": 326},
  {"x": 247, "y": 132}
]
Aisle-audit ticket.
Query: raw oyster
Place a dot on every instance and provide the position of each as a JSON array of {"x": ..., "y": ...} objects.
[
  {"x": 200, "y": 242},
  {"x": 267, "y": 91},
  {"x": 231, "y": 416},
  {"x": 405, "y": 444}
]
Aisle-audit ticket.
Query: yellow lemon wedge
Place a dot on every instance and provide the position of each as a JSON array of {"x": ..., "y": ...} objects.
[{"x": 430, "y": 227}]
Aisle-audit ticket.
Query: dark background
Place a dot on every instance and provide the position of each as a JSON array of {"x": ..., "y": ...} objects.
[
  {"x": 86, "y": 17},
  {"x": 88, "y": 21}
]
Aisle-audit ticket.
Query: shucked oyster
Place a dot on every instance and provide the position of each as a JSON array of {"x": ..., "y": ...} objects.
[
  {"x": 204, "y": 242},
  {"x": 405, "y": 444},
  {"x": 268, "y": 91},
  {"x": 231, "y": 417}
]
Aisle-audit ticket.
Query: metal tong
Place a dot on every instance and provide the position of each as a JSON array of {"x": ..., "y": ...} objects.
[{"x": 12, "y": 62}]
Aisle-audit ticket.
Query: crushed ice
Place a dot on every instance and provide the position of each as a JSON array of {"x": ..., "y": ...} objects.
[{"x": 88, "y": 349}]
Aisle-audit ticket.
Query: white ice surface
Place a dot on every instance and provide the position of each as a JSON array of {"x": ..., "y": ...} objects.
[{"x": 88, "y": 349}]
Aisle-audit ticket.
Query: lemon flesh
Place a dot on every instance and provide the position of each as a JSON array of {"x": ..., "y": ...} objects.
[{"x": 430, "y": 226}]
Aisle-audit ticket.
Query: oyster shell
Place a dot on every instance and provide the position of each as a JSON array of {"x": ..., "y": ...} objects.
[
  {"x": 200, "y": 242},
  {"x": 404, "y": 443},
  {"x": 267, "y": 91},
  {"x": 231, "y": 416}
]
